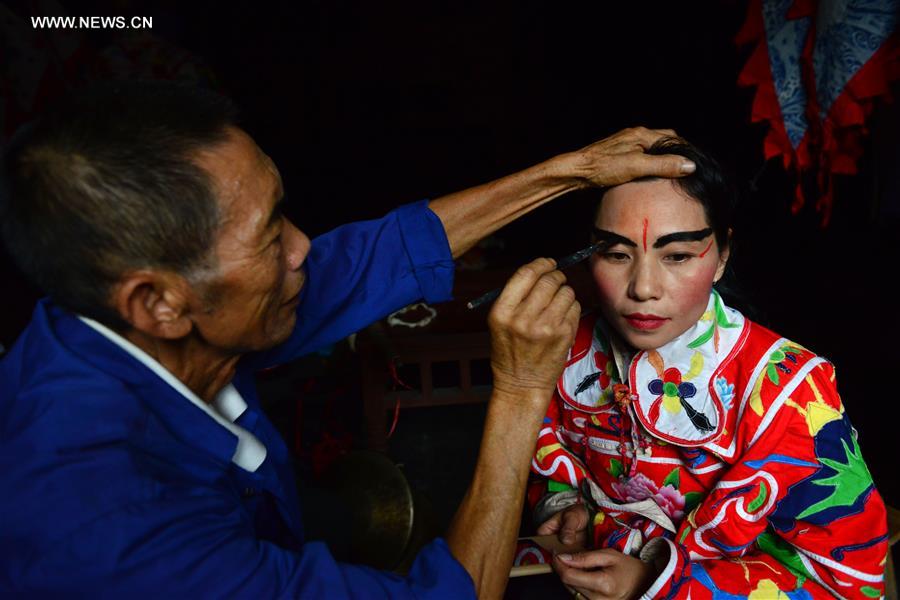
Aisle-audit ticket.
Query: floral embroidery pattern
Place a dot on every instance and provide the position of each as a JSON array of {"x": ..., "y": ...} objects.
[
  {"x": 788, "y": 352},
  {"x": 777, "y": 363},
  {"x": 641, "y": 487},
  {"x": 673, "y": 393},
  {"x": 725, "y": 391},
  {"x": 603, "y": 377}
]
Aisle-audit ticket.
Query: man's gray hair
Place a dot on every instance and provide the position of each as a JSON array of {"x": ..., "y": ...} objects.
[{"x": 105, "y": 183}]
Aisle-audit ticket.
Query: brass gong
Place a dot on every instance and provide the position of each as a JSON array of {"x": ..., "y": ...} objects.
[{"x": 380, "y": 507}]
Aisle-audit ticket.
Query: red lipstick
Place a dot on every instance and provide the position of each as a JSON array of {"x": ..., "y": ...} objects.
[{"x": 645, "y": 322}]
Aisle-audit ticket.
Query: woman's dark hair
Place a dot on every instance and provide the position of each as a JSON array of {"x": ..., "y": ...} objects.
[
  {"x": 105, "y": 183},
  {"x": 709, "y": 185}
]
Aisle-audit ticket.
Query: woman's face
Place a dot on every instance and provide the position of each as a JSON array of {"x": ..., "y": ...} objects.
[{"x": 655, "y": 278}]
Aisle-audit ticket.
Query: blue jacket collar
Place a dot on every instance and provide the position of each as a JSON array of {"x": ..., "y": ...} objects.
[{"x": 183, "y": 420}]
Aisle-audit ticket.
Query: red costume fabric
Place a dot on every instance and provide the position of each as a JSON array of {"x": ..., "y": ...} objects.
[{"x": 730, "y": 445}]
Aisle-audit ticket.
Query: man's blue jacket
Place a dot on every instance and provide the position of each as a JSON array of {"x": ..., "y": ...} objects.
[{"x": 115, "y": 485}]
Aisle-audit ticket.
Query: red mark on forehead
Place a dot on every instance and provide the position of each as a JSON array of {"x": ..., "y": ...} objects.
[
  {"x": 702, "y": 254},
  {"x": 646, "y": 223}
]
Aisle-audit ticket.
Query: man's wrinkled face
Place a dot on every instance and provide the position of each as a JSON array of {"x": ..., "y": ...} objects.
[
  {"x": 254, "y": 291},
  {"x": 655, "y": 278}
]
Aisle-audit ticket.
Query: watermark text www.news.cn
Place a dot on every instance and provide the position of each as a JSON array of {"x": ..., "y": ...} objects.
[{"x": 92, "y": 22}]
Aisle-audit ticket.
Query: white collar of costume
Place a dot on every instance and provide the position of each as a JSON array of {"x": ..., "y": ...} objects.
[{"x": 673, "y": 388}]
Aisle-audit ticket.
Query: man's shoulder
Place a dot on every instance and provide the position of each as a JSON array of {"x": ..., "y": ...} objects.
[
  {"x": 76, "y": 427},
  {"x": 49, "y": 380},
  {"x": 56, "y": 404}
]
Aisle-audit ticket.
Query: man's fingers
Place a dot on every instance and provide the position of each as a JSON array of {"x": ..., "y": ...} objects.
[
  {"x": 542, "y": 295},
  {"x": 557, "y": 312},
  {"x": 573, "y": 316},
  {"x": 522, "y": 282},
  {"x": 663, "y": 165},
  {"x": 645, "y": 137},
  {"x": 665, "y": 132},
  {"x": 622, "y": 157},
  {"x": 528, "y": 338}
]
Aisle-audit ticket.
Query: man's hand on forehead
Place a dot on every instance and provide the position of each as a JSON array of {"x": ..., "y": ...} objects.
[{"x": 622, "y": 157}]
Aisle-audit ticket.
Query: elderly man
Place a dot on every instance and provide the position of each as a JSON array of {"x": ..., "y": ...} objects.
[{"x": 134, "y": 456}]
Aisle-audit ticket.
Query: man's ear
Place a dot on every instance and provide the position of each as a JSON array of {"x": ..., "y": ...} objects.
[
  {"x": 724, "y": 253},
  {"x": 156, "y": 303}
]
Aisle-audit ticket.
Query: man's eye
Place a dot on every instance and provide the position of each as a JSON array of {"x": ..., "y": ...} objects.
[{"x": 679, "y": 258}]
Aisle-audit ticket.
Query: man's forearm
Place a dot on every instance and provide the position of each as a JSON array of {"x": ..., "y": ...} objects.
[
  {"x": 472, "y": 214},
  {"x": 483, "y": 533}
]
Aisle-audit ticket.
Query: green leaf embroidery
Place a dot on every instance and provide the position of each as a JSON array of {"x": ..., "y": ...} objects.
[
  {"x": 784, "y": 553},
  {"x": 850, "y": 481},
  {"x": 672, "y": 479},
  {"x": 684, "y": 534},
  {"x": 613, "y": 371},
  {"x": 705, "y": 337},
  {"x": 556, "y": 486},
  {"x": 615, "y": 467},
  {"x": 722, "y": 316},
  {"x": 793, "y": 348},
  {"x": 691, "y": 500},
  {"x": 760, "y": 498},
  {"x": 720, "y": 320},
  {"x": 772, "y": 372},
  {"x": 870, "y": 591}
]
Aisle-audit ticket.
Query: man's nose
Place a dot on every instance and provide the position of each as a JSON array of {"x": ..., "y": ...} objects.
[
  {"x": 645, "y": 280},
  {"x": 296, "y": 245}
]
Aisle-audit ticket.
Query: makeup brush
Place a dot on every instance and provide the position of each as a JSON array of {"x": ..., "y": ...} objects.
[{"x": 562, "y": 263}]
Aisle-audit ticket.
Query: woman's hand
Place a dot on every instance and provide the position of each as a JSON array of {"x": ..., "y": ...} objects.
[
  {"x": 569, "y": 525},
  {"x": 605, "y": 574}
]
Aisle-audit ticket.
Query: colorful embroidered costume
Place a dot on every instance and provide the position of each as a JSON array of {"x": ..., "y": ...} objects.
[{"x": 730, "y": 445}]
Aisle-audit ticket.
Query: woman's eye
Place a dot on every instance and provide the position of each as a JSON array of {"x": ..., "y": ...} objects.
[
  {"x": 615, "y": 256},
  {"x": 679, "y": 258}
]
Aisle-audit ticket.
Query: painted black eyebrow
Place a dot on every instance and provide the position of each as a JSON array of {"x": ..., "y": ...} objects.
[
  {"x": 682, "y": 236},
  {"x": 611, "y": 238}
]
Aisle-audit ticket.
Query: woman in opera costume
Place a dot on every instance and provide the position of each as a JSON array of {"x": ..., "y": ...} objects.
[{"x": 695, "y": 452}]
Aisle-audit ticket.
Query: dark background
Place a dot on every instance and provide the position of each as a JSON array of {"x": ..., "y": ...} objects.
[{"x": 367, "y": 105}]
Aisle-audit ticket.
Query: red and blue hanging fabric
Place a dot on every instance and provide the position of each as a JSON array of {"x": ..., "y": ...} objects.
[{"x": 818, "y": 68}]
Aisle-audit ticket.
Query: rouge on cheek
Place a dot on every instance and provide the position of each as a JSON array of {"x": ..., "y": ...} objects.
[
  {"x": 604, "y": 283},
  {"x": 694, "y": 289}
]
